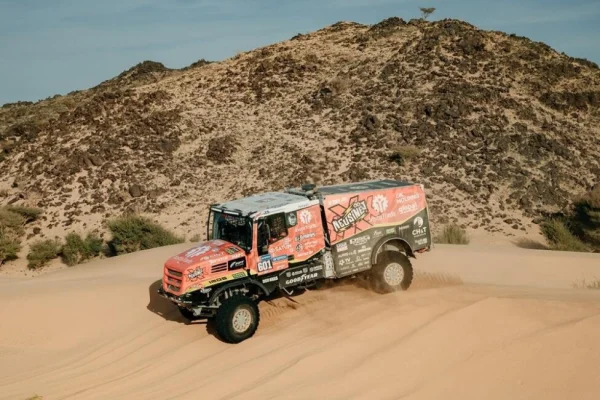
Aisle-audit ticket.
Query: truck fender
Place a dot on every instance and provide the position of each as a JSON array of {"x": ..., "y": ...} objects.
[
  {"x": 394, "y": 242},
  {"x": 237, "y": 283}
]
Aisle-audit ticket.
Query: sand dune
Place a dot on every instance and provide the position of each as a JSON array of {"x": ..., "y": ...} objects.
[{"x": 98, "y": 332}]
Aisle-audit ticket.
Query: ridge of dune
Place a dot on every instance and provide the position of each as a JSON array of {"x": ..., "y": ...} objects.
[{"x": 98, "y": 331}]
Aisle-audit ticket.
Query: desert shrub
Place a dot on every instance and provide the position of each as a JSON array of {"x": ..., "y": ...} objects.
[
  {"x": 195, "y": 238},
  {"x": 586, "y": 218},
  {"x": 11, "y": 230},
  {"x": 30, "y": 214},
  {"x": 527, "y": 243},
  {"x": 77, "y": 249},
  {"x": 42, "y": 252},
  {"x": 401, "y": 154},
  {"x": 11, "y": 222},
  {"x": 579, "y": 230},
  {"x": 452, "y": 234},
  {"x": 9, "y": 248},
  {"x": 585, "y": 284},
  {"x": 132, "y": 233},
  {"x": 560, "y": 236}
]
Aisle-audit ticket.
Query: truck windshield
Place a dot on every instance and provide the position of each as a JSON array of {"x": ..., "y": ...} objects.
[{"x": 233, "y": 229}]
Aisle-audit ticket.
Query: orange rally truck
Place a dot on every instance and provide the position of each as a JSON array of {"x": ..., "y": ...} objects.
[{"x": 293, "y": 240}]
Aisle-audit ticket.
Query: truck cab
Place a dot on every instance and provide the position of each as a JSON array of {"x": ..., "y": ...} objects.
[{"x": 250, "y": 238}]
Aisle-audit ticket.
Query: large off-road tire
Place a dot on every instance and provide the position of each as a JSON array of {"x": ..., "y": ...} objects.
[
  {"x": 237, "y": 319},
  {"x": 392, "y": 272}
]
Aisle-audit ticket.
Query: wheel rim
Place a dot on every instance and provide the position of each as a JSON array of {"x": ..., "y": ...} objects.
[
  {"x": 393, "y": 274},
  {"x": 242, "y": 319}
]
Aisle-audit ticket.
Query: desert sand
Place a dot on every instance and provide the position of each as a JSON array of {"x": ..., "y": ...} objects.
[{"x": 479, "y": 322}]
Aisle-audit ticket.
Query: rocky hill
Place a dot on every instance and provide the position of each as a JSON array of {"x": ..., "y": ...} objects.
[{"x": 501, "y": 129}]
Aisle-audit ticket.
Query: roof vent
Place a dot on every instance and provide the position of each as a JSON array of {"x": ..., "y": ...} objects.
[{"x": 308, "y": 187}]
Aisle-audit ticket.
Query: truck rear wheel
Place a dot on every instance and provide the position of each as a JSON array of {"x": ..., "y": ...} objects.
[
  {"x": 237, "y": 319},
  {"x": 393, "y": 272}
]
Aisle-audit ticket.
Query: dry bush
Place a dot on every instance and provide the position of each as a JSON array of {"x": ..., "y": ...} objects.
[
  {"x": 9, "y": 248},
  {"x": 585, "y": 284},
  {"x": 77, "y": 249},
  {"x": 30, "y": 214},
  {"x": 42, "y": 252},
  {"x": 452, "y": 234},
  {"x": 401, "y": 154},
  {"x": 560, "y": 236},
  {"x": 528, "y": 243},
  {"x": 131, "y": 233}
]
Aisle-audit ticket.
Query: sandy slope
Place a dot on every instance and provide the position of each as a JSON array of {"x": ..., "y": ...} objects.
[{"x": 98, "y": 332}]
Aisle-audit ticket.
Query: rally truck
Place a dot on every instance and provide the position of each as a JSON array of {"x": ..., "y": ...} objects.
[{"x": 292, "y": 240}]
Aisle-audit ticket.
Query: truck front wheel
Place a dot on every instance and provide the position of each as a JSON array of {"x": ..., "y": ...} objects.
[
  {"x": 392, "y": 272},
  {"x": 237, "y": 319}
]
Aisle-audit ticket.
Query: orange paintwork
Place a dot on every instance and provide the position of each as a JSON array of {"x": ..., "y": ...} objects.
[
  {"x": 348, "y": 214},
  {"x": 193, "y": 267}
]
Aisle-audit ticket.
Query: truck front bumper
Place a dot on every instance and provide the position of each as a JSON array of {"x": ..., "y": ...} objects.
[
  {"x": 195, "y": 302},
  {"x": 179, "y": 300}
]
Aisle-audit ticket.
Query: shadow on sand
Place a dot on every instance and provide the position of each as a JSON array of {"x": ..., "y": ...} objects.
[{"x": 161, "y": 306}]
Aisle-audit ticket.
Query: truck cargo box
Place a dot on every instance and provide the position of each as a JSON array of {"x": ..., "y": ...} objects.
[{"x": 362, "y": 217}]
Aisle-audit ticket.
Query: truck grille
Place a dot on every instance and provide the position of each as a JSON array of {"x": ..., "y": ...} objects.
[
  {"x": 218, "y": 268},
  {"x": 174, "y": 280},
  {"x": 174, "y": 273}
]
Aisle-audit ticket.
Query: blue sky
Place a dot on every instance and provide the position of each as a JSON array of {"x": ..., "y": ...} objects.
[{"x": 50, "y": 47}]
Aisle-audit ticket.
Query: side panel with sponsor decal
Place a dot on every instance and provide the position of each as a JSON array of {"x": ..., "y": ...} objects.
[
  {"x": 353, "y": 255},
  {"x": 350, "y": 214},
  {"x": 298, "y": 275}
]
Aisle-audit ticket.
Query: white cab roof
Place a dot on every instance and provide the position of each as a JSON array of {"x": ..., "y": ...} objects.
[{"x": 266, "y": 203}]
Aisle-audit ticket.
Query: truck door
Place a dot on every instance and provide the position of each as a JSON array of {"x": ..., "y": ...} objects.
[{"x": 273, "y": 244}]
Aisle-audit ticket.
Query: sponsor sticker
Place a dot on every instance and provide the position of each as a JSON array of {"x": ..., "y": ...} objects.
[
  {"x": 197, "y": 251},
  {"x": 231, "y": 250},
  {"x": 353, "y": 215},
  {"x": 379, "y": 203},
  {"x": 408, "y": 208},
  {"x": 421, "y": 242},
  {"x": 217, "y": 280},
  {"x": 305, "y": 236},
  {"x": 401, "y": 198},
  {"x": 342, "y": 246},
  {"x": 419, "y": 229},
  {"x": 359, "y": 241},
  {"x": 270, "y": 279},
  {"x": 305, "y": 217},
  {"x": 390, "y": 231},
  {"x": 195, "y": 274},
  {"x": 236, "y": 264},
  {"x": 302, "y": 278}
]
